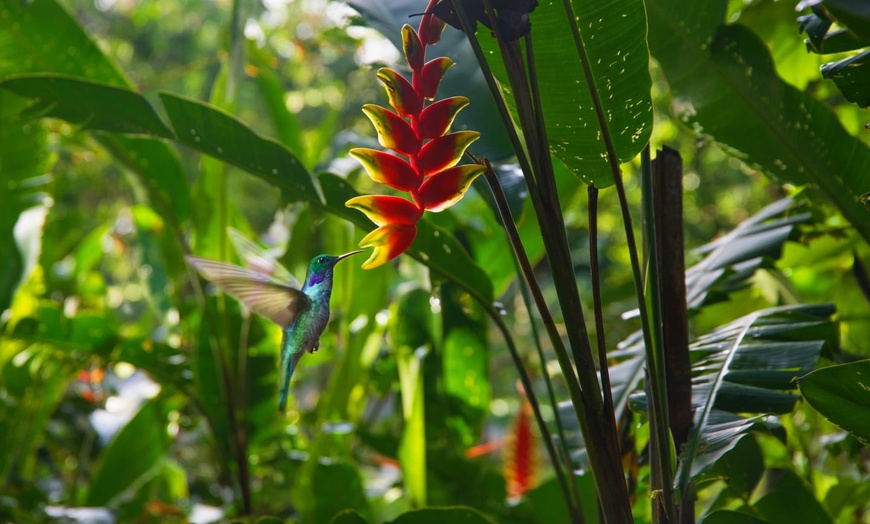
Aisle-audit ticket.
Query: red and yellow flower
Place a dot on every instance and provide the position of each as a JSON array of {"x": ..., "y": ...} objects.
[{"x": 426, "y": 155}]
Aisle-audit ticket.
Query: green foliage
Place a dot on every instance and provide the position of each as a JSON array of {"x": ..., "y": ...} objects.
[{"x": 842, "y": 395}]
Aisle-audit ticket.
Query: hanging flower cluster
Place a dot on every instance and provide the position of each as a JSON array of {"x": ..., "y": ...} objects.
[{"x": 425, "y": 165}]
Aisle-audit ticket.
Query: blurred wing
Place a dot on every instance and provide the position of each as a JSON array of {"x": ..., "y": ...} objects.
[
  {"x": 277, "y": 302},
  {"x": 255, "y": 258}
]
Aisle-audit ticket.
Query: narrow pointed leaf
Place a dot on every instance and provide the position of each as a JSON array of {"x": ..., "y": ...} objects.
[
  {"x": 446, "y": 188},
  {"x": 388, "y": 169},
  {"x": 401, "y": 93},
  {"x": 261, "y": 294},
  {"x": 393, "y": 131},
  {"x": 387, "y": 209},
  {"x": 440, "y": 153},
  {"x": 389, "y": 242},
  {"x": 437, "y": 118}
]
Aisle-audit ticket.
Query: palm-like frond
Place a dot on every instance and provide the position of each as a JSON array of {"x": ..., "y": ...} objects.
[{"x": 746, "y": 366}]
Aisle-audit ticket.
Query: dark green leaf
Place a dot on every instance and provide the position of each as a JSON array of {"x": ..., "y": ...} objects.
[
  {"x": 92, "y": 105},
  {"x": 214, "y": 132},
  {"x": 728, "y": 89},
  {"x": 133, "y": 453},
  {"x": 24, "y": 159},
  {"x": 41, "y": 36},
  {"x": 790, "y": 500},
  {"x": 348, "y": 517},
  {"x": 455, "y": 515},
  {"x": 852, "y": 76},
  {"x": 732, "y": 517},
  {"x": 337, "y": 487},
  {"x": 842, "y": 395}
]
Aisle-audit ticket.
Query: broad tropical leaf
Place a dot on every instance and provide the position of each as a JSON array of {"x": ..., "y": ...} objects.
[
  {"x": 842, "y": 395},
  {"x": 725, "y": 86}
]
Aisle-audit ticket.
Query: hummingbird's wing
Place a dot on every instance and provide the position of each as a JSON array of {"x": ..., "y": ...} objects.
[
  {"x": 262, "y": 294},
  {"x": 255, "y": 258}
]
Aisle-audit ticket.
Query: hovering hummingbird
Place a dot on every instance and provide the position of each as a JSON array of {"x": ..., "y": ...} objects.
[{"x": 266, "y": 288}]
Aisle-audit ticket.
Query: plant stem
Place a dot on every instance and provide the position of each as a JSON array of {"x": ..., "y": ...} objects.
[{"x": 532, "y": 283}]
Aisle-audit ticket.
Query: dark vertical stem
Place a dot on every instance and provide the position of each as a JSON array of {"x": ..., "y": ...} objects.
[
  {"x": 609, "y": 414},
  {"x": 668, "y": 197},
  {"x": 667, "y": 185}
]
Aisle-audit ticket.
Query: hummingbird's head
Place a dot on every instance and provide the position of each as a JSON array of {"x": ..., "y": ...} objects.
[{"x": 321, "y": 266}]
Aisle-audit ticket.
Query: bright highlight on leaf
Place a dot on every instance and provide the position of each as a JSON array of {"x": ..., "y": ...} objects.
[{"x": 430, "y": 175}]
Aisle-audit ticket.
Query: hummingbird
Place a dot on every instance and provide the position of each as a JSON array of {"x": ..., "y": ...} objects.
[{"x": 266, "y": 288}]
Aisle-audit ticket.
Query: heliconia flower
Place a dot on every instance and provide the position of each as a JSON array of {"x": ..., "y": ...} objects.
[
  {"x": 389, "y": 242},
  {"x": 393, "y": 131},
  {"x": 446, "y": 188},
  {"x": 436, "y": 119},
  {"x": 521, "y": 454},
  {"x": 403, "y": 98},
  {"x": 386, "y": 209},
  {"x": 445, "y": 151},
  {"x": 430, "y": 174},
  {"x": 415, "y": 51},
  {"x": 431, "y": 75},
  {"x": 388, "y": 169}
]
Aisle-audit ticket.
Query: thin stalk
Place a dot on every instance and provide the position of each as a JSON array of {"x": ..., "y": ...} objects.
[
  {"x": 551, "y": 394},
  {"x": 657, "y": 384},
  {"x": 532, "y": 284},
  {"x": 595, "y": 275}
]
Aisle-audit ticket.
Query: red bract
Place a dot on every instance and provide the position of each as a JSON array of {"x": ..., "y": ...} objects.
[{"x": 419, "y": 132}]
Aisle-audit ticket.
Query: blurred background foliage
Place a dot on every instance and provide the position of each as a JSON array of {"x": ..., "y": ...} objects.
[{"x": 114, "y": 404}]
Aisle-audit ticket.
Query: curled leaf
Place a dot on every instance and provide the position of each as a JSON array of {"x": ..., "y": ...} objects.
[{"x": 441, "y": 191}]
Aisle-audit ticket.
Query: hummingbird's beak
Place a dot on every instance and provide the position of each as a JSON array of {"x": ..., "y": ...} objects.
[{"x": 341, "y": 257}]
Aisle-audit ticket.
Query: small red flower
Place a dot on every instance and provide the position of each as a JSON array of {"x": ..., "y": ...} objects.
[{"x": 419, "y": 132}]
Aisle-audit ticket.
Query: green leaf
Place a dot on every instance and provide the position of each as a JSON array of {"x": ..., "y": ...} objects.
[
  {"x": 731, "y": 517},
  {"x": 132, "y": 454},
  {"x": 159, "y": 172},
  {"x": 24, "y": 159},
  {"x": 41, "y": 36},
  {"x": 790, "y": 500},
  {"x": 411, "y": 340},
  {"x": 454, "y": 515},
  {"x": 209, "y": 130},
  {"x": 614, "y": 36},
  {"x": 842, "y": 395},
  {"x": 726, "y": 87},
  {"x": 92, "y": 105},
  {"x": 349, "y": 517},
  {"x": 337, "y": 487}
]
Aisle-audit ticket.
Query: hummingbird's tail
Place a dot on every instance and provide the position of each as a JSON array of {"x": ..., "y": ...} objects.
[{"x": 287, "y": 368}]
